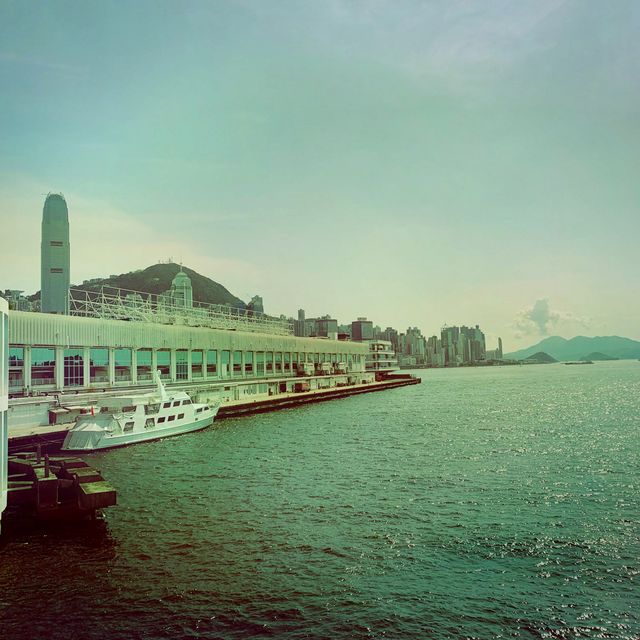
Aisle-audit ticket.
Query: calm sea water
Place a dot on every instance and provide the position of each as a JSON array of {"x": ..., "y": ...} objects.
[{"x": 484, "y": 503}]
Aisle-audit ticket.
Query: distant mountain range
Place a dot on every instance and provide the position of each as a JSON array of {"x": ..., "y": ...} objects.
[
  {"x": 581, "y": 347},
  {"x": 157, "y": 279}
]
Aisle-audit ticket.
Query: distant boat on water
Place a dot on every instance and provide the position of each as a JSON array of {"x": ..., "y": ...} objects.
[{"x": 580, "y": 362}]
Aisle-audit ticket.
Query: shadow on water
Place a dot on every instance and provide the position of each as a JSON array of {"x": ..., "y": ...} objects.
[{"x": 84, "y": 532}]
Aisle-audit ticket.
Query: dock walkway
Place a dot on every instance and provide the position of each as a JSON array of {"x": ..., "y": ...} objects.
[{"x": 50, "y": 437}]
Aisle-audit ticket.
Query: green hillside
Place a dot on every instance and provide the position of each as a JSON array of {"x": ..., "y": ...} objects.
[{"x": 157, "y": 279}]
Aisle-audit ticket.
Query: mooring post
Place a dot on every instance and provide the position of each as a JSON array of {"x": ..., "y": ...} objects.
[
  {"x": 38, "y": 453},
  {"x": 46, "y": 465}
]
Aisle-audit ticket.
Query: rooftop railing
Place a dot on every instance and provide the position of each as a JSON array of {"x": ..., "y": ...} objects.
[{"x": 136, "y": 306}]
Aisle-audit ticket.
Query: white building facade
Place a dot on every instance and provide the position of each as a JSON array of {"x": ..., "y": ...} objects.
[
  {"x": 4, "y": 401},
  {"x": 381, "y": 358},
  {"x": 56, "y": 354}
]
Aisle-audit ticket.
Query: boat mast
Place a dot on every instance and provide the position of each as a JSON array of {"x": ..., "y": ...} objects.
[{"x": 161, "y": 390}]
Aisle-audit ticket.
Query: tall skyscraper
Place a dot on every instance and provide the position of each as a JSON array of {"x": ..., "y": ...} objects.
[
  {"x": 300, "y": 324},
  {"x": 55, "y": 256}
]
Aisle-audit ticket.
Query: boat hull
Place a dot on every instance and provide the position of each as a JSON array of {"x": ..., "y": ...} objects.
[{"x": 88, "y": 441}]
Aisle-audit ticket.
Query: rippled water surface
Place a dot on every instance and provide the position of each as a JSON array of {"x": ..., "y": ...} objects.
[{"x": 483, "y": 503}]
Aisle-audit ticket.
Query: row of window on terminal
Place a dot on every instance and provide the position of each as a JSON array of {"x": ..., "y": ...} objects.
[{"x": 223, "y": 363}]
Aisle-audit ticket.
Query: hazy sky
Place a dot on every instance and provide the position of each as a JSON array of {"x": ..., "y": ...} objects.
[{"x": 418, "y": 163}]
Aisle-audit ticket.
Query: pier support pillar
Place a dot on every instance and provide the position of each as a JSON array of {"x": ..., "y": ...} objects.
[
  {"x": 86, "y": 367},
  {"x": 112, "y": 366},
  {"x": 172, "y": 366},
  {"x": 154, "y": 363},
  {"x": 59, "y": 368},
  {"x": 27, "y": 369}
]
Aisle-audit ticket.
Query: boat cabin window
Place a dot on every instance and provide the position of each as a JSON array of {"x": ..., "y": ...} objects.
[
  {"x": 161, "y": 419},
  {"x": 128, "y": 409},
  {"x": 199, "y": 410},
  {"x": 166, "y": 405},
  {"x": 180, "y": 416},
  {"x": 151, "y": 408},
  {"x": 150, "y": 423},
  {"x": 128, "y": 426},
  {"x": 176, "y": 403},
  {"x": 104, "y": 410},
  {"x": 186, "y": 402},
  {"x": 171, "y": 418}
]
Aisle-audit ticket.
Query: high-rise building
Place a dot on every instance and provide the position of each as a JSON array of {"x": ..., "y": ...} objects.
[
  {"x": 361, "y": 329},
  {"x": 391, "y": 335},
  {"x": 300, "y": 324},
  {"x": 326, "y": 327},
  {"x": 55, "y": 256},
  {"x": 17, "y": 301},
  {"x": 255, "y": 305}
]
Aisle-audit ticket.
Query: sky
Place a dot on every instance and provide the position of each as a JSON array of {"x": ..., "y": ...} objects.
[{"x": 417, "y": 163}]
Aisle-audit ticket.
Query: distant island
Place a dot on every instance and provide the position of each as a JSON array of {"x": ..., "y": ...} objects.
[
  {"x": 596, "y": 355},
  {"x": 539, "y": 358},
  {"x": 583, "y": 348}
]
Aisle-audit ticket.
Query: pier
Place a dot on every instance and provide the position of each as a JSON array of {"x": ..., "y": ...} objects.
[
  {"x": 45, "y": 487},
  {"x": 278, "y": 395}
]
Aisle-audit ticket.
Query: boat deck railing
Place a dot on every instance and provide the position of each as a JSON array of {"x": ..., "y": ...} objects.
[{"x": 137, "y": 306}]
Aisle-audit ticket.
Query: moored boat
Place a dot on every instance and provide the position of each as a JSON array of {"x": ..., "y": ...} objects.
[{"x": 122, "y": 420}]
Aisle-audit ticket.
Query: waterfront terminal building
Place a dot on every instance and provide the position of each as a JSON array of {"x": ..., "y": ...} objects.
[{"x": 114, "y": 340}]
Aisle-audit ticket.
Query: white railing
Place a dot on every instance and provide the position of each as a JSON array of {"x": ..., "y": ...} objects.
[{"x": 122, "y": 304}]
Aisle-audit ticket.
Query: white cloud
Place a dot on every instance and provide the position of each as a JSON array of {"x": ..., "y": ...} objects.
[{"x": 540, "y": 319}]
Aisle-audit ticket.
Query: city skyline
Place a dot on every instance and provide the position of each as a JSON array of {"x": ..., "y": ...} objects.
[{"x": 417, "y": 164}]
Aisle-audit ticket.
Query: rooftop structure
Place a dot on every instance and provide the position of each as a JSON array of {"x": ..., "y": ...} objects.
[
  {"x": 176, "y": 307},
  {"x": 55, "y": 256}
]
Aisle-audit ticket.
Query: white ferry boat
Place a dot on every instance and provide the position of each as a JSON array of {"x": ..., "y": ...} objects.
[{"x": 118, "y": 421}]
